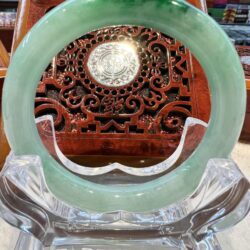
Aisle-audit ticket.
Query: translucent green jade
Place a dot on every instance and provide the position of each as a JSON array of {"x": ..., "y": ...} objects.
[{"x": 176, "y": 18}]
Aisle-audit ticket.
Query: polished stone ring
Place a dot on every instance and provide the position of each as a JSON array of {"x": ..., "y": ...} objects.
[{"x": 65, "y": 23}]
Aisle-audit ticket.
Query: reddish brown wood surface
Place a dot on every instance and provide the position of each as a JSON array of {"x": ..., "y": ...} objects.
[
  {"x": 6, "y": 35},
  {"x": 92, "y": 119}
]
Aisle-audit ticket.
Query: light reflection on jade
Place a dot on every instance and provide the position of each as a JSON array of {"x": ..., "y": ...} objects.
[{"x": 114, "y": 64}]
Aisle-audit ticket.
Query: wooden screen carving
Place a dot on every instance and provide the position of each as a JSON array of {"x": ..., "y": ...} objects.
[{"x": 144, "y": 116}]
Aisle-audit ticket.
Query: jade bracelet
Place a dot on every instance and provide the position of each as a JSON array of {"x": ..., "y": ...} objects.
[{"x": 72, "y": 19}]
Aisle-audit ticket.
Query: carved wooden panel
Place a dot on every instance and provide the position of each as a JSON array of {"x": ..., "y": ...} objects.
[
  {"x": 134, "y": 110},
  {"x": 108, "y": 108}
]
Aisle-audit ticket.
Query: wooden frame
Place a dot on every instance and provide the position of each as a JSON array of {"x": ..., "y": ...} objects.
[{"x": 4, "y": 59}]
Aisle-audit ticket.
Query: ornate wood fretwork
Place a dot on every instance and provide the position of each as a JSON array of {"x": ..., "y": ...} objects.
[{"x": 144, "y": 116}]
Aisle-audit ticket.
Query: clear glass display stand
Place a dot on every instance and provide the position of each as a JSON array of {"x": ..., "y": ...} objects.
[{"x": 221, "y": 200}]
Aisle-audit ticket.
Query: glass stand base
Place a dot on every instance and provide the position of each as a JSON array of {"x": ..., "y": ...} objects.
[
  {"x": 221, "y": 200},
  {"x": 28, "y": 242}
]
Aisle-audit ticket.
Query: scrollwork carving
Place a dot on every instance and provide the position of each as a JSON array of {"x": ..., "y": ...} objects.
[{"x": 155, "y": 102}]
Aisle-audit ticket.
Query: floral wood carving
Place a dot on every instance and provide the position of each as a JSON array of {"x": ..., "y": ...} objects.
[{"x": 100, "y": 114}]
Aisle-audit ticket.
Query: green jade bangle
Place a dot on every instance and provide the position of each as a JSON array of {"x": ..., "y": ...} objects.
[{"x": 176, "y": 18}]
